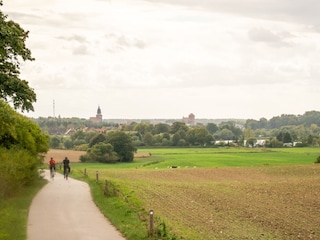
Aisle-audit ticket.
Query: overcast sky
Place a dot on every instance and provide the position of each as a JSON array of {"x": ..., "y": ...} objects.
[{"x": 169, "y": 58}]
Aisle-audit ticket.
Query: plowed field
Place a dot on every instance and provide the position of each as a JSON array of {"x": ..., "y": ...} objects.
[{"x": 230, "y": 203}]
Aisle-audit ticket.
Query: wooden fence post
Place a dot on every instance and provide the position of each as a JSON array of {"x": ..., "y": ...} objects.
[
  {"x": 151, "y": 227},
  {"x": 97, "y": 176},
  {"x": 85, "y": 172}
]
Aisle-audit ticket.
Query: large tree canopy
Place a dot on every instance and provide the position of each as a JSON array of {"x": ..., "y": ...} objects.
[
  {"x": 13, "y": 49},
  {"x": 19, "y": 132}
]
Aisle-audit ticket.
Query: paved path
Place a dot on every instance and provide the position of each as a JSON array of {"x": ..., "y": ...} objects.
[{"x": 63, "y": 209}]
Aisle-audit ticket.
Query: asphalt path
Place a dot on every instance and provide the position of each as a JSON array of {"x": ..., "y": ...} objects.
[{"x": 64, "y": 210}]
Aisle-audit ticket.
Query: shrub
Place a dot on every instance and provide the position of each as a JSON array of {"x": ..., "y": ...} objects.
[
  {"x": 82, "y": 147},
  {"x": 317, "y": 160},
  {"x": 19, "y": 168}
]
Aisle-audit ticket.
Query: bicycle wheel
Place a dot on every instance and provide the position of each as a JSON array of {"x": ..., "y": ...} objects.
[
  {"x": 52, "y": 173},
  {"x": 66, "y": 173}
]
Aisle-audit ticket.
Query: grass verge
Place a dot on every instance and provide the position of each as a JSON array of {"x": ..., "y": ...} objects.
[
  {"x": 116, "y": 206},
  {"x": 14, "y": 212},
  {"x": 124, "y": 210}
]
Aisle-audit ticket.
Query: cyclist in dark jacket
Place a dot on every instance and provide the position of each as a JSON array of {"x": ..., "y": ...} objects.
[{"x": 66, "y": 164}]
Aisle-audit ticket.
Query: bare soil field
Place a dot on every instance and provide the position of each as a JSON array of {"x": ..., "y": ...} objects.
[
  {"x": 230, "y": 203},
  {"x": 59, "y": 155},
  {"x": 74, "y": 156}
]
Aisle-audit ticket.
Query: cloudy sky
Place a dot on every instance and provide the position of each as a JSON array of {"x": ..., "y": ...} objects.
[{"x": 168, "y": 58}]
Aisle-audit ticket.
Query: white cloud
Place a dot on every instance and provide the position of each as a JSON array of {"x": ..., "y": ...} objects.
[{"x": 156, "y": 59}]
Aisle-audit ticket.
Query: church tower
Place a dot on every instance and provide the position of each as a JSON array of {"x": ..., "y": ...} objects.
[{"x": 99, "y": 115}]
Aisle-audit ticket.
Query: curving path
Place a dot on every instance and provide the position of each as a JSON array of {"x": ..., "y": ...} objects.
[{"x": 63, "y": 209}]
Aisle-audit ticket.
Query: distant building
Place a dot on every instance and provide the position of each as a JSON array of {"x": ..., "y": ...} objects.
[
  {"x": 98, "y": 117},
  {"x": 189, "y": 120}
]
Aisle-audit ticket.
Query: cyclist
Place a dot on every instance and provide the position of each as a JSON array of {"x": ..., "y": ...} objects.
[
  {"x": 52, "y": 164},
  {"x": 66, "y": 166}
]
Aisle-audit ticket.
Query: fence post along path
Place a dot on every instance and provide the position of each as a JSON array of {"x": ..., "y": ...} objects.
[{"x": 64, "y": 209}]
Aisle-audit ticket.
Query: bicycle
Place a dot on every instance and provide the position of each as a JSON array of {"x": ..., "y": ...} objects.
[
  {"x": 52, "y": 173},
  {"x": 66, "y": 172}
]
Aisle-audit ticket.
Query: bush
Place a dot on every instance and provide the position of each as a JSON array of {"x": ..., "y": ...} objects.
[
  {"x": 317, "y": 160},
  {"x": 19, "y": 168},
  {"x": 82, "y": 147},
  {"x": 100, "y": 152},
  {"x": 85, "y": 158}
]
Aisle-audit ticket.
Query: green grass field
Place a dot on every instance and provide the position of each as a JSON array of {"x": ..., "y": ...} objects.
[{"x": 216, "y": 157}]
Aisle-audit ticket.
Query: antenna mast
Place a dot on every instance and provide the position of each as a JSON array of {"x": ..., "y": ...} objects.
[{"x": 54, "y": 109}]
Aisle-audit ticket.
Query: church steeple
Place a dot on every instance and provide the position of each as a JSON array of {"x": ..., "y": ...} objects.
[{"x": 98, "y": 117}]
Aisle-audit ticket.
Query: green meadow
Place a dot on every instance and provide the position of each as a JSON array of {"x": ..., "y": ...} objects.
[{"x": 215, "y": 157}]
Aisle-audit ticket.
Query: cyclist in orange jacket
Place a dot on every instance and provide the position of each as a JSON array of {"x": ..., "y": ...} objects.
[{"x": 52, "y": 164}]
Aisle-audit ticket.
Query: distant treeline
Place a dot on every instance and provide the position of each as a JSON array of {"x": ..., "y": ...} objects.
[
  {"x": 307, "y": 119},
  {"x": 75, "y": 133}
]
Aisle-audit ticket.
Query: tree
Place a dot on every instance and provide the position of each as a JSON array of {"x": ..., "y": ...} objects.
[
  {"x": 156, "y": 139},
  {"x": 21, "y": 146},
  {"x": 191, "y": 138},
  {"x": 224, "y": 134},
  {"x": 122, "y": 145},
  {"x": 177, "y": 126},
  {"x": 212, "y": 128},
  {"x": 12, "y": 50},
  {"x": 68, "y": 144},
  {"x": 17, "y": 131},
  {"x": 102, "y": 152},
  {"x": 251, "y": 142},
  {"x": 55, "y": 142},
  {"x": 275, "y": 143},
  {"x": 284, "y": 137},
  {"x": 175, "y": 139},
  {"x": 148, "y": 139},
  {"x": 248, "y": 133},
  {"x": 166, "y": 136},
  {"x": 199, "y": 136},
  {"x": 143, "y": 128},
  {"x": 287, "y": 138},
  {"x": 161, "y": 128},
  {"x": 100, "y": 137}
]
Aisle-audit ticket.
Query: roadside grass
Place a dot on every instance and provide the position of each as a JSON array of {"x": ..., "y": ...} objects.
[
  {"x": 14, "y": 212},
  {"x": 122, "y": 210}
]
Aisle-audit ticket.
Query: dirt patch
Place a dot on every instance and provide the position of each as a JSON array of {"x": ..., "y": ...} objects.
[{"x": 142, "y": 155}]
